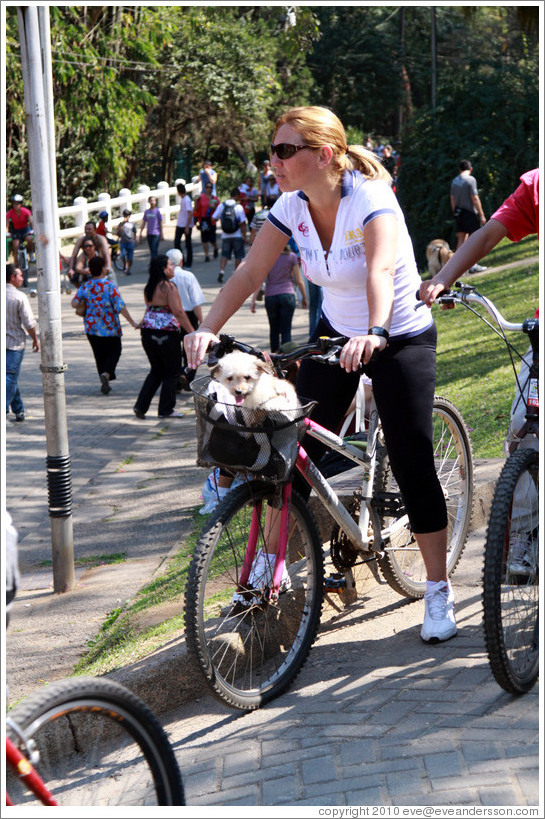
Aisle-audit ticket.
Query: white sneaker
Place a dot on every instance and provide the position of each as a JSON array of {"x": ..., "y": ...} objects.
[
  {"x": 214, "y": 498},
  {"x": 477, "y": 268},
  {"x": 439, "y": 620},
  {"x": 521, "y": 558},
  {"x": 261, "y": 575}
]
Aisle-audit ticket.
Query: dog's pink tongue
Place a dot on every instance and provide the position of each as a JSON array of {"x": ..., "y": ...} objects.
[{"x": 239, "y": 399}]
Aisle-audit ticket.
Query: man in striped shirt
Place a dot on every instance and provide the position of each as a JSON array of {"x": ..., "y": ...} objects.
[{"x": 19, "y": 321}]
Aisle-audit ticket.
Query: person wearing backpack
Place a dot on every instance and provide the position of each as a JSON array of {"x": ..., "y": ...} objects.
[
  {"x": 232, "y": 219},
  {"x": 205, "y": 205},
  {"x": 126, "y": 230}
]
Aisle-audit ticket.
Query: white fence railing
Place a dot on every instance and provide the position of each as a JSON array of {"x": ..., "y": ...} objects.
[{"x": 83, "y": 211}]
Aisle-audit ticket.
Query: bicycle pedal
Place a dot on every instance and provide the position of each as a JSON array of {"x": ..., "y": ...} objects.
[
  {"x": 388, "y": 503},
  {"x": 335, "y": 583}
]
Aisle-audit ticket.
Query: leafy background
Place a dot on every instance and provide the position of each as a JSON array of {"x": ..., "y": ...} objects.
[{"x": 146, "y": 93}]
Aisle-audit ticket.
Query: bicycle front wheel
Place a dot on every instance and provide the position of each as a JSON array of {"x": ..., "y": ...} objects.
[
  {"x": 511, "y": 575},
  {"x": 402, "y": 565},
  {"x": 98, "y": 744},
  {"x": 249, "y": 654}
]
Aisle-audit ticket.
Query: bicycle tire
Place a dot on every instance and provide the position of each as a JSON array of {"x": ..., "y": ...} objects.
[
  {"x": 118, "y": 261},
  {"x": 22, "y": 260},
  {"x": 511, "y": 599},
  {"x": 249, "y": 657},
  {"x": 401, "y": 565},
  {"x": 99, "y": 744}
]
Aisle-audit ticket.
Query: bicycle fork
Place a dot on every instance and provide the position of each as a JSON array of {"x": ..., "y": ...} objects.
[
  {"x": 24, "y": 770},
  {"x": 280, "y": 539}
]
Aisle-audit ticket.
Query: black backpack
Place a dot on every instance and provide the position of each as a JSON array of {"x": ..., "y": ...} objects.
[{"x": 229, "y": 221}]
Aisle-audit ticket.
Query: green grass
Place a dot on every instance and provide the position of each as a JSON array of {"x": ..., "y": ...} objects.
[
  {"x": 473, "y": 365},
  {"x": 507, "y": 251},
  {"x": 122, "y": 639}
]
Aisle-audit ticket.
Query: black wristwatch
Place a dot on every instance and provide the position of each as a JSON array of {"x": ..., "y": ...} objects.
[{"x": 379, "y": 331}]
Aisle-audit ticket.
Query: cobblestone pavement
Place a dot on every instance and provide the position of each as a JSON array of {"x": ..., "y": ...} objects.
[{"x": 376, "y": 717}]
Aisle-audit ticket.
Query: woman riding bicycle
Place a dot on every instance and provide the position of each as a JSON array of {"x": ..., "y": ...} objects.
[{"x": 339, "y": 206}]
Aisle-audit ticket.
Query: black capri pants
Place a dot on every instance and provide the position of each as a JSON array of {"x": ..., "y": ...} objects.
[{"x": 403, "y": 377}]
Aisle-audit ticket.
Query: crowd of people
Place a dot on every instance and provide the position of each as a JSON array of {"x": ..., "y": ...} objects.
[{"x": 321, "y": 214}]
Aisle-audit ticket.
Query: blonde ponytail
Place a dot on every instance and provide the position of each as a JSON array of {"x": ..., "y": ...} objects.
[
  {"x": 320, "y": 126},
  {"x": 358, "y": 158}
]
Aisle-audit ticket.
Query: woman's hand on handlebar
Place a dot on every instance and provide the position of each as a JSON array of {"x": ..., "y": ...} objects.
[
  {"x": 196, "y": 346},
  {"x": 358, "y": 350},
  {"x": 430, "y": 290}
]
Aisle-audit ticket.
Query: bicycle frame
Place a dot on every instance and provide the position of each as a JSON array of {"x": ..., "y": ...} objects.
[
  {"x": 23, "y": 769},
  {"x": 357, "y": 532}
]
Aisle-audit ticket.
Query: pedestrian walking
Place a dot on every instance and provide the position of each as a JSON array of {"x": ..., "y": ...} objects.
[
  {"x": 20, "y": 322},
  {"x": 126, "y": 230},
  {"x": 280, "y": 297},
  {"x": 103, "y": 305},
  {"x": 466, "y": 207},
  {"x": 205, "y": 205},
  {"x": 232, "y": 218},
  {"x": 192, "y": 299},
  {"x": 153, "y": 222},
  {"x": 184, "y": 225},
  {"x": 161, "y": 339}
]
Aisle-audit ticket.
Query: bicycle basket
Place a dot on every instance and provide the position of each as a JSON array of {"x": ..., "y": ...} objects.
[{"x": 246, "y": 440}]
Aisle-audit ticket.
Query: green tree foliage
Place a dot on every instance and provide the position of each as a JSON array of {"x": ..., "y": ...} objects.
[
  {"x": 100, "y": 104},
  {"x": 487, "y": 113},
  {"x": 229, "y": 72},
  {"x": 134, "y": 86},
  {"x": 137, "y": 86}
]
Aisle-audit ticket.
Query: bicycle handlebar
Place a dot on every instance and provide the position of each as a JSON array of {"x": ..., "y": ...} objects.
[
  {"x": 468, "y": 293},
  {"x": 324, "y": 349}
]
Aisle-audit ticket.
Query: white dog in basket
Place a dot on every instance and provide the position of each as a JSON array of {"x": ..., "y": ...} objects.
[
  {"x": 245, "y": 381},
  {"x": 252, "y": 383}
]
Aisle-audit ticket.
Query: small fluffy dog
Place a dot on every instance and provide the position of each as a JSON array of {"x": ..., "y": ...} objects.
[
  {"x": 252, "y": 383},
  {"x": 438, "y": 253}
]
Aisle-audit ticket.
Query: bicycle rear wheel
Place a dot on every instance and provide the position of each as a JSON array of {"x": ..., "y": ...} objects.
[
  {"x": 511, "y": 575},
  {"x": 250, "y": 654},
  {"x": 118, "y": 261},
  {"x": 22, "y": 259},
  {"x": 98, "y": 744},
  {"x": 402, "y": 565}
]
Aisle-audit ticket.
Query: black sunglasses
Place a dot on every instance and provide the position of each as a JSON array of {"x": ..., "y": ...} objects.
[
  {"x": 89, "y": 245},
  {"x": 284, "y": 150}
]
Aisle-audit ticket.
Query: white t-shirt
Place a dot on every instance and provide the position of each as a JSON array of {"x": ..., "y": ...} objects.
[
  {"x": 343, "y": 274},
  {"x": 188, "y": 288},
  {"x": 186, "y": 207}
]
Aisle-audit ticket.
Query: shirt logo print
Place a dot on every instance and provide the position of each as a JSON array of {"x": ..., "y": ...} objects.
[{"x": 302, "y": 228}]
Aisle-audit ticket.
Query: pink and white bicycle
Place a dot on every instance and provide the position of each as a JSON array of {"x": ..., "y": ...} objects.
[{"x": 250, "y": 637}]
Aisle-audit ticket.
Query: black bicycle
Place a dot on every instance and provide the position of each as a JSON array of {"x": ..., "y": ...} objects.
[{"x": 511, "y": 560}]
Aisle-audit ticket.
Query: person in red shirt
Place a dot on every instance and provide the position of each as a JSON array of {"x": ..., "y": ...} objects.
[
  {"x": 516, "y": 218},
  {"x": 19, "y": 225},
  {"x": 102, "y": 230},
  {"x": 205, "y": 205}
]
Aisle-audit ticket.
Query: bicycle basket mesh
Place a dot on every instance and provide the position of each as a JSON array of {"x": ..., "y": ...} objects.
[{"x": 247, "y": 440}]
